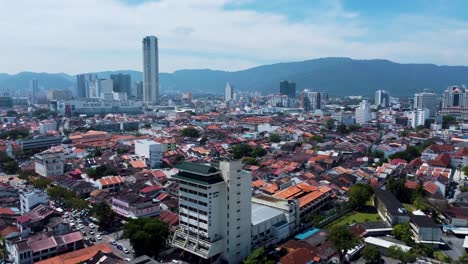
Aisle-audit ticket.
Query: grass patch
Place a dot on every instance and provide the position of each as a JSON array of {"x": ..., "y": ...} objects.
[
  {"x": 356, "y": 217},
  {"x": 410, "y": 207}
]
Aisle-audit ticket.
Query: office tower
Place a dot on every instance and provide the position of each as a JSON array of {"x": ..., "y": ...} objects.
[
  {"x": 455, "y": 102},
  {"x": 228, "y": 92},
  {"x": 324, "y": 97},
  {"x": 139, "y": 90},
  {"x": 382, "y": 98},
  {"x": 105, "y": 86},
  {"x": 311, "y": 100},
  {"x": 82, "y": 84},
  {"x": 150, "y": 70},
  {"x": 35, "y": 91},
  {"x": 122, "y": 83},
  {"x": 215, "y": 211},
  {"x": 59, "y": 94},
  {"x": 363, "y": 113},
  {"x": 417, "y": 117},
  {"x": 288, "y": 88},
  {"x": 427, "y": 100}
]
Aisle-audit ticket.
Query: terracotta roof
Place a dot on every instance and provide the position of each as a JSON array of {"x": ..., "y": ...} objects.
[
  {"x": 151, "y": 189},
  {"x": 139, "y": 164},
  {"x": 109, "y": 180},
  {"x": 6, "y": 211},
  {"x": 77, "y": 256},
  {"x": 8, "y": 230},
  {"x": 411, "y": 185},
  {"x": 431, "y": 187}
]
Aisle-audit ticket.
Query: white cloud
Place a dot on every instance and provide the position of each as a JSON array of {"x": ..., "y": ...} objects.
[{"x": 90, "y": 35}]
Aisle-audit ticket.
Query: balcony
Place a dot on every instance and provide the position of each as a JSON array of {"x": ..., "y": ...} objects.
[{"x": 197, "y": 245}]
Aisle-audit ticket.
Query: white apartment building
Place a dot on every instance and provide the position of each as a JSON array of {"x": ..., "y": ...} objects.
[
  {"x": 228, "y": 92},
  {"x": 49, "y": 163},
  {"x": 214, "y": 211},
  {"x": 47, "y": 125},
  {"x": 150, "y": 150},
  {"x": 417, "y": 117},
  {"x": 32, "y": 198},
  {"x": 363, "y": 113}
]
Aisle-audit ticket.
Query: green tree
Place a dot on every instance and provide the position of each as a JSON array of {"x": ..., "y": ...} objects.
[
  {"x": 371, "y": 254},
  {"x": 250, "y": 161},
  {"x": 275, "y": 138},
  {"x": 104, "y": 214},
  {"x": 342, "y": 129},
  {"x": 12, "y": 113},
  {"x": 403, "y": 233},
  {"x": 397, "y": 253},
  {"x": 43, "y": 113},
  {"x": 241, "y": 150},
  {"x": 343, "y": 240},
  {"x": 258, "y": 256},
  {"x": 259, "y": 152},
  {"x": 359, "y": 194},
  {"x": 330, "y": 124},
  {"x": 190, "y": 132},
  {"x": 41, "y": 183},
  {"x": 148, "y": 236},
  {"x": 76, "y": 203},
  {"x": 448, "y": 120},
  {"x": 463, "y": 259}
]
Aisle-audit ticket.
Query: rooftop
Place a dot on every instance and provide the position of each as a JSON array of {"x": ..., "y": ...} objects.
[{"x": 261, "y": 213}]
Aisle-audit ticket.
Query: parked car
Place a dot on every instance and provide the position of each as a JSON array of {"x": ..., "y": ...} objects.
[
  {"x": 98, "y": 237},
  {"x": 91, "y": 225},
  {"x": 119, "y": 247},
  {"x": 113, "y": 243},
  {"x": 125, "y": 251}
]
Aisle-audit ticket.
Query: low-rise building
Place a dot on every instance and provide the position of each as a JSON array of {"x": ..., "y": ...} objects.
[
  {"x": 32, "y": 198},
  {"x": 150, "y": 150},
  {"x": 132, "y": 205},
  {"x": 425, "y": 230},
  {"x": 389, "y": 208},
  {"x": 110, "y": 183}
]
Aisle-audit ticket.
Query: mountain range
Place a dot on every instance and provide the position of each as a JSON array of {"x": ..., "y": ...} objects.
[{"x": 337, "y": 76}]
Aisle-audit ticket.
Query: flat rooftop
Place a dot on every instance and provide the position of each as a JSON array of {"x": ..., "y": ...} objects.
[{"x": 262, "y": 213}]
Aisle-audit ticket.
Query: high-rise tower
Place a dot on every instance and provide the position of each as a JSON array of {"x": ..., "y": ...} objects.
[{"x": 150, "y": 70}]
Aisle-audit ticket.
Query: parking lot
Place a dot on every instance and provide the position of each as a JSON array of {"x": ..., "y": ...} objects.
[{"x": 91, "y": 234}]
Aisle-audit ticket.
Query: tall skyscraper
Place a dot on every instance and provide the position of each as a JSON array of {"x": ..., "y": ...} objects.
[
  {"x": 427, "y": 100},
  {"x": 122, "y": 83},
  {"x": 228, "y": 92},
  {"x": 139, "y": 90},
  {"x": 150, "y": 70},
  {"x": 288, "y": 88},
  {"x": 363, "y": 113},
  {"x": 311, "y": 100},
  {"x": 215, "y": 211},
  {"x": 35, "y": 91},
  {"x": 382, "y": 98},
  {"x": 83, "y": 82}
]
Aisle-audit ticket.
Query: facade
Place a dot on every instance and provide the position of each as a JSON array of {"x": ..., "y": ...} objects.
[
  {"x": 427, "y": 100},
  {"x": 82, "y": 84},
  {"x": 151, "y": 150},
  {"x": 311, "y": 101},
  {"x": 104, "y": 86},
  {"x": 425, "y": 230},
  {"x": 418, "y": 117},
  {"x": 35, "y": 91},
  {"x": 110, "y": 183},
  {"x": 49, "y": 163},
  {"x": 228, "y": 92},
  {"x": 363, "y": 113},
  {"x": 214, "y": 211},
  {"x": 39, "y": 142},
  {"x": 389, "y": 208},
  {"x": 382, "y": 98},
  {"x": 131, "y": 205},
  {"x": 455, "y": 102},
  {"x": 150, "y": 70},
  {"x": 288, "y": 88},
  {"x": 47, "y": 125},
  {"x": 122, "y": 83},
  {"x": 98, "y": 107},
  {"x": 59, "y": 95},
  {"x": 32, "y": 198},
  {"x": 138, "y": 90}
]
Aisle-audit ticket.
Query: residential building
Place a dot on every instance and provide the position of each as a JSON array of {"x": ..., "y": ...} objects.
[
  {"x": 110, "y": 183},
  {"x": 214, "y": 211},
  {"x": 122, "y": 83},
  {"x": 7, "y": 102},
  {"x": 150, "y": 70},
  {"x": 49, "y": 163},
  {"x": 288, "y": 88},
  {"x": 132, "y": 205},
  {"x": 455, "y": 102},
  {"x": 82, "y": 84},
  {"x": 418, "y": 117},
  {"x": 389, "y": 208},
  {"x": 382, "y": 98},
  {"x": 89, "y": 137},
  {"x": 228, "y": 92},
  {"x": 150, "y": 150},
  {"x": 31, "y": 198},
  {"x": 363, "y": 113},
  {"x": 311, "y": 101},
  {"x": 427, "y": 100},
  {"x": 47, "y": 125},
  {"x": 59, "y": 95}
]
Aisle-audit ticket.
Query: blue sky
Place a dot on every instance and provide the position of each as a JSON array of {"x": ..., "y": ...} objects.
[{"x": 88, "y": 35}]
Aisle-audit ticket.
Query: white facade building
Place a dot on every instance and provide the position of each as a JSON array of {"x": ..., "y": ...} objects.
[
  {"x": 417, "y": 117},
  {"x": 32, "y": 198},
  {"x": 47, "y": 125},
  {"x": 151, "y": 150},
  {"x": 49, "y": 163},
  {"x": 363, "y": 113},
  {"x": 150, "y": 70},
  {"x": 228, "y": 92},
  {"x": 214, "y": 211}
]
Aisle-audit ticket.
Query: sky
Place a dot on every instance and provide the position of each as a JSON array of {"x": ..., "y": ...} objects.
[{"x": 77, "y": 36}]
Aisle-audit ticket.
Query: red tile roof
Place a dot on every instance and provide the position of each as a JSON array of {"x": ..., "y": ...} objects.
[{"x": 431, "y": 187}]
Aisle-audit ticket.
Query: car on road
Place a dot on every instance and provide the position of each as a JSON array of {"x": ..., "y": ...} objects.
[
  {"x": 119, "y": 247},
  {"x": 91, "y": 225},
  {"x": 125, "y": 251},
  {"x": 128, "y": 259},
  {"x": 92, "y": 239},
  {"x": 83, "y": 232},
  {"x": 91, "y": 232},
  {"x": 113, "y": 243},
  {"x": 98, "y": 237},
  {"x": 80, "y": 226}
]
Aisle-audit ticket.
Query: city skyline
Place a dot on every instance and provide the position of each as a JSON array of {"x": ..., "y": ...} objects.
[{"x": 246, "y": 33}]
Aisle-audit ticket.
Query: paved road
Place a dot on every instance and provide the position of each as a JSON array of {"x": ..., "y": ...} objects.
[{"x": 455, "y": 244}]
